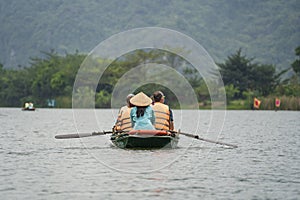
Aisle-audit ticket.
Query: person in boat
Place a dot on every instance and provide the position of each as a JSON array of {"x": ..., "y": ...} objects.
[
  {"x": 142, "y": 116},
  {"x": 163, "y": 113},
  {"x": 26, "y": 105},
  {"x": 124, "y": 122},
  {"x": 30, "y": 105}
]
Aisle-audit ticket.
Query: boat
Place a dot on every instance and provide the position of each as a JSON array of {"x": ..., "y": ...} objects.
[
  {"x": 145, "y": 139},
  {"x": 28, "y": 109}
]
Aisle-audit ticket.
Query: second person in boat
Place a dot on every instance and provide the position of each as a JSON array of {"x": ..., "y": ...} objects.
[
  {"x": 123, "y": 122},
  {"x": 142, "y": 115},
  {"x": 163, "y": 114}
]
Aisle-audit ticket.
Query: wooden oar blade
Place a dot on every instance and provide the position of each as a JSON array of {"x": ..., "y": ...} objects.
[
  {"x": 75, "y": 135},
  {"x": 218, "y": 142},
  {"x": 208, "y": 140}
]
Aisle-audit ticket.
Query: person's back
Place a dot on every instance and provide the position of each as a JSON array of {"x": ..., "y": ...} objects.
[
  {"x": 143, "y": 121},
  {"x": 163, "y": 114},
  {"x": 124, "y": 122},
  {"x": 142, "y": 116}
]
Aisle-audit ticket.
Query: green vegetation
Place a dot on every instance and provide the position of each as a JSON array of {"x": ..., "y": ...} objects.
[
  {"x": 53, "y": 76},
  {"x": 46, "y": 78},
  {"x": 244, "y": 80},
  {"x": 267, "y": 30}
]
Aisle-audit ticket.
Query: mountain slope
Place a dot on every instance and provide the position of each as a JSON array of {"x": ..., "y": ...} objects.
[{"x": 267, "y": 30}]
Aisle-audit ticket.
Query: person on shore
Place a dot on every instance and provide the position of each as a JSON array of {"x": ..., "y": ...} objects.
[
  {"x": 163, "y": 114},
  {"x": 142, "y": 116},
  {"x": 123, "y": 122}
]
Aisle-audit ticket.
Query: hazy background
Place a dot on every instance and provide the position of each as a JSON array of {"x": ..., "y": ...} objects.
[{"x": 267, "y": 30}]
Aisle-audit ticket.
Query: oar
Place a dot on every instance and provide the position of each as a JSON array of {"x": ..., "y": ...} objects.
[
  {"x": 80, "y": 135},
  {"x": 207, "y": 140}
]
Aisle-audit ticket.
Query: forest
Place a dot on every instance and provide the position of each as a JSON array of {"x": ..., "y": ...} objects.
[
  {"x": 252, "y": 42},
  {"x": 52, "y": 76}
]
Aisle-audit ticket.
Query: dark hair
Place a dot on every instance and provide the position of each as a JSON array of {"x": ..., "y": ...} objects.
[
  {"x": 157, "y": 96},
  {"x": 140, "y": 111},
  {"x": 130, "y": 105}
]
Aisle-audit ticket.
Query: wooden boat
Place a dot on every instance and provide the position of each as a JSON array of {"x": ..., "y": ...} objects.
[
  {"x": 28, "y": 109},
  {"x": 145, "y": 139}
]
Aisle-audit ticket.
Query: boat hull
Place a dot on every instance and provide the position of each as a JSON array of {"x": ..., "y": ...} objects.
[
  {"x": 145, "y": 139},
  {"x": 28, "y": 109}
]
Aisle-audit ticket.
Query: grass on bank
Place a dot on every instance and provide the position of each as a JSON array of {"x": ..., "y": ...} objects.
[{"x": 267, "y": 103}]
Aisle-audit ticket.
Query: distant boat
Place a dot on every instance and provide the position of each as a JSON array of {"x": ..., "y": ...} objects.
[{"x": 28, "y": 109}]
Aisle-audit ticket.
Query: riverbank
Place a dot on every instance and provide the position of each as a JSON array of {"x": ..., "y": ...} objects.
[{"x": 266, "y": 103}]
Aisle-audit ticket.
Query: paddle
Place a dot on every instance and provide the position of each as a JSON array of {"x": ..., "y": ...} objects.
[
  {"x": 80, "y": 135},
  {"x": 206, "y": 140}
]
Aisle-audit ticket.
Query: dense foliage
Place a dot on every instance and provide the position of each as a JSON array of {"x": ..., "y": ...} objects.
[
  {"x": 53, "y": 76},
  {"x": 49, "y": 77},
  {"x": 244, "y": 80},
  {"x": 240, "y": 72}
]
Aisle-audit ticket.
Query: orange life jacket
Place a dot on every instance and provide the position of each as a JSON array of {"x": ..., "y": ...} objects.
[
  {"x": 162, "y": 116},
  {"x": 124, "y": 121}
]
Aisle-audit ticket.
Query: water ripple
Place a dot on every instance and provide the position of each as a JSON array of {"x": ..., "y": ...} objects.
[{"x": 36, "y": 166}]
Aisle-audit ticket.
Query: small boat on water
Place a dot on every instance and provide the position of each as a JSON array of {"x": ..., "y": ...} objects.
[
  {"x": 28, "y": 109},
  {"x": 145, "y": 139}
]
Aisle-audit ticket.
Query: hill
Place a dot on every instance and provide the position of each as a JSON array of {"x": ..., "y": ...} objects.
[{"x": 267, "y": 30}]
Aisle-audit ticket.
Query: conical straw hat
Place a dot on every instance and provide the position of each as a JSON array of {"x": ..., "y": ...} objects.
[{"x": 141, "y": 100}]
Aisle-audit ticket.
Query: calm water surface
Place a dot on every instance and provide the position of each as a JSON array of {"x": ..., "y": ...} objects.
[{"x": 34, "y": 165}]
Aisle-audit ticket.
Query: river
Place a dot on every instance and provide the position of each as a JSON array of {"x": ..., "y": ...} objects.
[{"x": 35, "y": 165}]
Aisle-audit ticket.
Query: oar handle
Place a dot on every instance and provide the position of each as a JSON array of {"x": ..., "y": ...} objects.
[{"x": 80, "y": 135}]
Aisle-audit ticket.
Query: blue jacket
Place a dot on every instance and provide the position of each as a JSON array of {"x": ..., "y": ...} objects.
[{"x": 144, "y": 122}]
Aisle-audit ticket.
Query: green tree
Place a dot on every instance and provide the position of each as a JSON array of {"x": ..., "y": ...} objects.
[
  {"x": 231, "y": 91},
  {"x": 296, "y": 63},
  {"x": 264, "y": 79},
  {"x": 53, "y": 75},
  {"x": 245, "y": 75},
  {"x": 237, "y": 71},
  {"x": 292, "y": 86}
]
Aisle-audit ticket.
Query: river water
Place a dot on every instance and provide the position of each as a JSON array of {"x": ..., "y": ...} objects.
[{"x": 35, "y": 165}]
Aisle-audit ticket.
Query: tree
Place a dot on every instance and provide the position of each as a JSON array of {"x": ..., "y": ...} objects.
[
  {"x": 230, "y": 92},
  {"x": 245, "y": 75},
  {"x": 54, "y": 75},
  {"x": 264, "y": 79},
  {"x": 238, "y": 71},
  {"x": 296, "y": 63}
]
